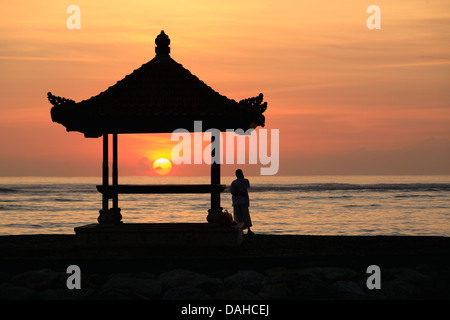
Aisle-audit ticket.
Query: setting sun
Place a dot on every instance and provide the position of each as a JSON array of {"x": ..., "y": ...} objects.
[{"x": 162, "y": 166}]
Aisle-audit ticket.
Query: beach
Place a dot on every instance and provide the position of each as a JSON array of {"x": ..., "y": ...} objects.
[
  {"x": 263, "y": 267},
  {"x": 316, "y": 238}
]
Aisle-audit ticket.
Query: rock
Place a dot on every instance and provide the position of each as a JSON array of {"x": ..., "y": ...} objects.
[
  {"x": 209, "y": 285},
  {"x": 409, "y": 275},
  {"x": 245, "y": 279},
  {"x": 275, "y": 291},
  {"x": 297, "y": 274},
  {"x": 292, "y": 278},
  {"x": 10, "y": 291},
  {"x": 348, "y": 290},
  {"x": 303, "y": 275},
  {"x": 127, "y": 287},
  {"x": 177, "y": 277},
  {"x": 300, "y": 283},
  {"x": 66, "y": 294},
  {"x": 283, "y": 279},
  {"x": 277, "y": 271},
  {"x": 398, "y": 289},
  {"x": 237, "y": 294},
  {"x": 186, "y": 278},
  {"x": 93, "y": 281},
  {"x": 37, "y": 279},
  {"x": 311, "y": 289},
  {"x": 140, "y": 275},
  {"x": 4, "y": 277},
  {"x": 185, "y": 293},
  {"x": 331, "y": 274}
]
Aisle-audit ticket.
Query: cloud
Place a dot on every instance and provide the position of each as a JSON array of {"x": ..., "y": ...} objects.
[
  {"x": 144, "y": 164},
  {"x": 412, "y": 64},
  {"x": 427, "y": 157}
]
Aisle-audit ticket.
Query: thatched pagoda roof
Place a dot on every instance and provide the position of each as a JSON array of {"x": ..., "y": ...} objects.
[{"x": 160, "y": 96}]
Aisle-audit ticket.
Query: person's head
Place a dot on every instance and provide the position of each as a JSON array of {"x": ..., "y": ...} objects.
[{"x": 239, "y": 173}]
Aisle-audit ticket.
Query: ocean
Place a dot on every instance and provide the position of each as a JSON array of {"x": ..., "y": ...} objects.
[{"x": 313, "y": 205}]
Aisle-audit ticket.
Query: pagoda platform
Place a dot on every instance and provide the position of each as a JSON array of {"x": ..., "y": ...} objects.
[{"x": 160, "y": 234}]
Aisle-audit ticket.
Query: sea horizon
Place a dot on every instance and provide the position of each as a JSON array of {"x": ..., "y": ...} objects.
[{"x": 303, "y": 205}]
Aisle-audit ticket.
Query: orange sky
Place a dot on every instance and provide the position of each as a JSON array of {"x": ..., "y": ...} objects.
[{"x": 333, "y": 86}]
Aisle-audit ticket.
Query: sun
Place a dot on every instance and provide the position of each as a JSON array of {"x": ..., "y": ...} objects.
[{"x": 162, "y": 166}]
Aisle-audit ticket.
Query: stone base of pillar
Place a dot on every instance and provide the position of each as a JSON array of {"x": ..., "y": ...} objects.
[
  {"x": 214, "y": 215},
  {"x": 111, "y": 216}
]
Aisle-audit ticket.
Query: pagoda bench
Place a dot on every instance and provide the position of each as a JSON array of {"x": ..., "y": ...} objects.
[
  {"x": 113, "y": 191},
  {"x": 110, "y": 191}
]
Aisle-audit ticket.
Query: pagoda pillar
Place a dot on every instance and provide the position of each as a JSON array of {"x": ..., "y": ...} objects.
[
  {"x": 115, "y": 171},
  {"x": 105, "y": 172},
  {"x": 213, "y": 213},
  {"x": 215, "y": 174},
  {"x": 107, "y": 215}
]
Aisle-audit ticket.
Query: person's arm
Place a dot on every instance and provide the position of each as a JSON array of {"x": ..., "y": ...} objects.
[
  {"x": 232, "y": 188},
  {"x": 236, "y": 193}
]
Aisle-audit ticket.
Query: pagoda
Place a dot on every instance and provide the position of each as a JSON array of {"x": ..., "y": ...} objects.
[{"x": 159, "y": 97}]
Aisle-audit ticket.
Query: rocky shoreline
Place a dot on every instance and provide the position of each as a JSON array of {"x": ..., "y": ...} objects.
[
  {"x": 335, "y": 283},
  {"x": 262, "y": 268}
]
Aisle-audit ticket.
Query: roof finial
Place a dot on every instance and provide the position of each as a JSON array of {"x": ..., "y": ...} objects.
[{"x": 162, "y": 44}]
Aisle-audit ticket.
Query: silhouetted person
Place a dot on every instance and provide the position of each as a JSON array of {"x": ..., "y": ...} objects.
[{"x": 241, "y": 201}]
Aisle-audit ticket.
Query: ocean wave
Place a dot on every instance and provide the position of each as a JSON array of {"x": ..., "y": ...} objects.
[
  {"x": 22, "y": 225},
  {"x": 14, "y": 207},
  {"x": 39, "y": 190},
  {"x": 361, "y": 205},
  {"x": 67, "y": 200},
  {"x": 61, "y": 191},
  {"x": 413, "y": 196},
  {"x": 344, "y": 186}
]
